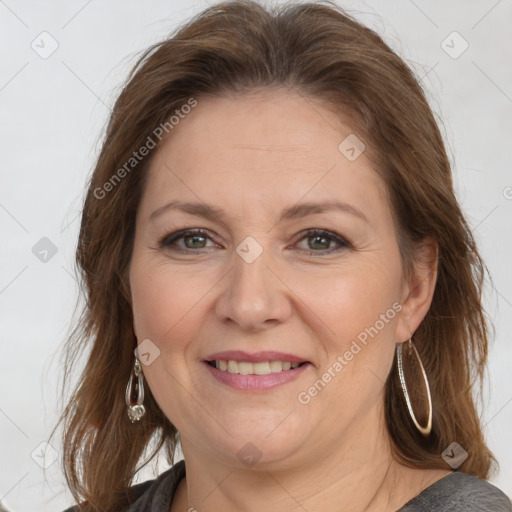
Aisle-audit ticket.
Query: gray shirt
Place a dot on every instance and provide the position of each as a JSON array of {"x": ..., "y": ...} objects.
[{"x": 457, "y": 492}]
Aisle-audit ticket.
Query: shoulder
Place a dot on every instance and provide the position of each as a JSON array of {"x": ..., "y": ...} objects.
[
  {"x": 459, "y": 492},
  {"x": 152, "y": 495}
]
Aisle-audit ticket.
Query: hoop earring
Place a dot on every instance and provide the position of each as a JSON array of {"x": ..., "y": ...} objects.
[
  {"x": 406, "y": 350},
  {"x": 135, "y": 409}
]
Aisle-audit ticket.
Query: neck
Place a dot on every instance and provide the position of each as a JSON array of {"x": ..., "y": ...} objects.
[{"x": 358, "y": 474}]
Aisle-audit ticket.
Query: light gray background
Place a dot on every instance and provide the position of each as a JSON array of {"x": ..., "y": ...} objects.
[{"x": 53, "y": 111}]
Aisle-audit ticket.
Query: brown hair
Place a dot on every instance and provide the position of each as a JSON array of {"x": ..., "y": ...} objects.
[{"x": 321, "y": 52}]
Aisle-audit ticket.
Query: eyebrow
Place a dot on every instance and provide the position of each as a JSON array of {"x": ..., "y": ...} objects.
[{"x": 291, "y": 213}]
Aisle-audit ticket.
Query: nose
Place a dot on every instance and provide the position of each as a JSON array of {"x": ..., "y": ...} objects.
[{"x": 254, "y": 296}]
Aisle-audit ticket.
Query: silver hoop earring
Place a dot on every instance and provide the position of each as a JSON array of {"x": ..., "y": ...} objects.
[
  {"x": 406, "y": 351},
  {"x": 135, "y": 408}
]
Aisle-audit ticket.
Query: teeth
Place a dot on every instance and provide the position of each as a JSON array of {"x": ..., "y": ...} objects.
[
  {"x": 276, "y": 366},
  {"x": 262, "y": 368},
  {"x": 245, "y": 368}
]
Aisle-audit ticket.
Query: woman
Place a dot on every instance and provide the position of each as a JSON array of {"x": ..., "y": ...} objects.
[{"x": 279, "y": 280}]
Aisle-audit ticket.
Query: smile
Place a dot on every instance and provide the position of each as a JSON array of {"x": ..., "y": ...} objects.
[
  {"x": 250, "y": 368},
  {"x": 243, "y": 376}
]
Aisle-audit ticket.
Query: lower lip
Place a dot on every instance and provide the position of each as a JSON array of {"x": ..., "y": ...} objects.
[{"x": 256, "y": 382}]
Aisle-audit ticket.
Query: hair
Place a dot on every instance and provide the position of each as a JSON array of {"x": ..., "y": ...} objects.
[{"x": 321, "y": 52}]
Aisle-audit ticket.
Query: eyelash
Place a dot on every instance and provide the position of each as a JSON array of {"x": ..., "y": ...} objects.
[{"x": 171, "y": 238}]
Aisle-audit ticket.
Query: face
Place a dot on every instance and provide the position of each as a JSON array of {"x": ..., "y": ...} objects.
[{"x": 267, "y": 280}]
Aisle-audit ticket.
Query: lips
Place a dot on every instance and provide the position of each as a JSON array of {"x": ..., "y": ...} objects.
[
  {"x": 248, "y": 368},
  {"x": 257, "y": 357},
  {"x": 260, "y": 371}
]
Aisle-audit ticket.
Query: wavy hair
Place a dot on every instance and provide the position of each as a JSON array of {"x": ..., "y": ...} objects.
[{"x": 321, "y": 52}]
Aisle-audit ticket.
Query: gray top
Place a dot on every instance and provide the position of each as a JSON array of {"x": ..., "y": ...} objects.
[{"x": 457, "y": 492}]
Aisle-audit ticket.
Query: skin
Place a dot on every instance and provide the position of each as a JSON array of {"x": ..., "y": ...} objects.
[{"x": 253, "y": 156}]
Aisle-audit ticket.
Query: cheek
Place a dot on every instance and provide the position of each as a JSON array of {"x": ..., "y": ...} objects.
[
  {"x": 360, "y": 306},
  {"x": 166, "y": 306},
  {"x": 164, "y": 302},
  {"x": 361, "y": 310},
  {"x": 351, "y": 298}
]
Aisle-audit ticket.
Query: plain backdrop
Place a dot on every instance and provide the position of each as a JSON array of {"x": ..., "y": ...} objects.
[{"x": 53, "y": 110}]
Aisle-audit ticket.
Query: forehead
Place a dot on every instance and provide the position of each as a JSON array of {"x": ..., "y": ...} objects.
[{"x": 264, "y": 150}]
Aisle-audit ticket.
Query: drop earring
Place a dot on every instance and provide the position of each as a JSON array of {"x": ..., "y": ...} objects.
[{"x": 136, "y": 408}]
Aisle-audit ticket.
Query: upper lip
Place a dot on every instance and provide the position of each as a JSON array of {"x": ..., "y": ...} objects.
[{"x": 256, "y": 357}]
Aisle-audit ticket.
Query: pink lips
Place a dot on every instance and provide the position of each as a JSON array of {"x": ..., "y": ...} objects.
[
  {"x": 258, "y": 357},
  {"x": 255, "y": 382}
]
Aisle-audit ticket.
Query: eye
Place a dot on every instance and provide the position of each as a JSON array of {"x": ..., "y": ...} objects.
[
  {"x": 194, "y": 239},
  {"x": 320, "y": 240}
]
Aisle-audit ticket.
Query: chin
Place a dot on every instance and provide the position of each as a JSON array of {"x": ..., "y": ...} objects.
[{"x": 261, "y": 443}]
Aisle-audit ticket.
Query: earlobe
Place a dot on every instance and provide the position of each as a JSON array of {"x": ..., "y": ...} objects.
[
  {"x": 134, "y": 327},
  {"x": 419, "y": 290}
]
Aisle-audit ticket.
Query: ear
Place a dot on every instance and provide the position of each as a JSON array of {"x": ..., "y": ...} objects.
[
  {"x": 418, "y": 291},
  {"x": 134, "y": 327}
]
